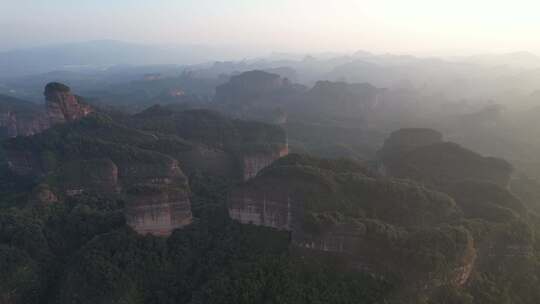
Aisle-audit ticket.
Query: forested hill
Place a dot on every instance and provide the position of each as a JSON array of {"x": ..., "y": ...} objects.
[{"x": 195, "y": 206}]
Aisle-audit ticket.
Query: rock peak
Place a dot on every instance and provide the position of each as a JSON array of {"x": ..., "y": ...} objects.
[
  {"x": 63, "y": 106},
  {"x": 52, "y": 87}
]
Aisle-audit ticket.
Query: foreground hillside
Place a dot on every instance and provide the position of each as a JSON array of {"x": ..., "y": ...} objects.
[{"x": 192, "y": 206}]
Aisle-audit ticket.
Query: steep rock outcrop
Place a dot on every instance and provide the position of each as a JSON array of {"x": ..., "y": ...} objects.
[
  {"x": 159, "y": 203},
  {"x": 253, "y": 163},
  {"x": 272, "y": 209},
  {"x": 94, "y": 155},
  {"x": 340, "y": 208},
  {"x": 157, "y": 195},
  {"x": 23, "y": 118},
  {"x": 258, "y": 95},
  {"x": 62, "y": 106}
]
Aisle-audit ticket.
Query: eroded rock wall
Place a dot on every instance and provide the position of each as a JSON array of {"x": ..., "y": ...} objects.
[
  {"x": 252, "y": 164},
  {"x": 62, "y": 105},
  {"x": 153, "y": 187},
  {"x": 158, "y": 209},
  {"x": 261, "y": 208},
  {"x": 157, "y": 196},
  {"x": 22, "y": 118},
  {"x": 314, "y": 205}
]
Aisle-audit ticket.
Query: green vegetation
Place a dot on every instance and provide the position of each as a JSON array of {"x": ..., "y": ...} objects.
[
  {"x": 82, "y": 252},
  {"x": 19, "y": 107},
  {"x": 410, "y": 243},
  {"x": 445, "y": 163},
  {"x": 349, "y": 188},
  {"x": 427, "y": 238},
  {"x": 56, "y": 86},
  {"x": 212, "y": 129}
]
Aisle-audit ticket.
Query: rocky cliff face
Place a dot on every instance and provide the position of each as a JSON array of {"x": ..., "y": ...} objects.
[
  {"x": 157, "y": 195},
  {"x": 96, "y": 156},
  {"x": 158, "y": 209},
  {"x": 270, "y": 209},
  {"x": 22, "y": 118},
  {"x": 335, "y": 208},
  {"x": 155, "y": 189},
  {"x": 258, "y": 95},
  {"x": 252, "y": 164},
  {"x": 62, "y": 106}
]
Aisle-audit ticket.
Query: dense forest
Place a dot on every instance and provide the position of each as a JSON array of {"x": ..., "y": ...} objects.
[
  {"x": 251, "y": 188},
  {"x": 82, "y": 252}
]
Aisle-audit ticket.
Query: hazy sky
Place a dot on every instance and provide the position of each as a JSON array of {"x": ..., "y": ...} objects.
[{"x": 280, "y": 25}]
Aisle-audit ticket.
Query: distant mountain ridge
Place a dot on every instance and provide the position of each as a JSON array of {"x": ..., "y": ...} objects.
[{"x": 95, "y": 55}]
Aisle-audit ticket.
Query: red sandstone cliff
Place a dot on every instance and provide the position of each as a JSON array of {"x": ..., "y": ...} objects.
[
  {"x": 253, "y": 163},
  {"x": 23, "y": 118},
  {"x": 157, "y": 198},
  {"x": 294, "y": 195},
  {"x": 62, "y": 106}
]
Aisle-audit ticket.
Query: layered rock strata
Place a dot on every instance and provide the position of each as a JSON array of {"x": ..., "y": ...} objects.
[{"x": 62, "y": 105}]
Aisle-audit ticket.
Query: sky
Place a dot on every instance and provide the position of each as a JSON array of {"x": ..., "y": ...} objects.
[{"x": 398, "y": 26}]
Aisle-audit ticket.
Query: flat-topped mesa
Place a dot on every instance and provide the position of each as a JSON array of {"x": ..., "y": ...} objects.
[
  {"x": 404, "y": 140},
  {"x": 158, "y": 198},
  {"x": 251, "y": 145},
  {"x": 158, "y": 210},
  {"x": 302, "y": 188},
  {"x": 246, "y": 88},
  {"x": 421, "y": 155},
  {"x": 62, "y": 106},
  {"x": 341, "y": 208},
  {"x": 344, "y": 98}
]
